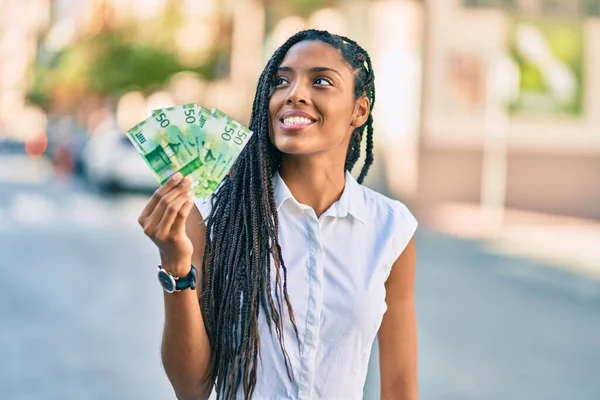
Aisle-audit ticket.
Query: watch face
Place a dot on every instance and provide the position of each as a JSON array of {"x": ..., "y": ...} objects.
[{"x": 166, "y": 281}]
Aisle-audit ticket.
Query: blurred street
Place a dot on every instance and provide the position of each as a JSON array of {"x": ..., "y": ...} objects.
[
  {"x": 80, "y": 307},
  {"x": 81, "y": 311}
]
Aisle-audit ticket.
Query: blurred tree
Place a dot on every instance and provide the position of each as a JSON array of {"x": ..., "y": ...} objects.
[
  {"x": 114, "y": 65},
  {"x": 114, "y": 60},
  {"x": 304, "y": 8},
  {"x": 307, "y": 7},
  {"x": 591, "y": 7}
]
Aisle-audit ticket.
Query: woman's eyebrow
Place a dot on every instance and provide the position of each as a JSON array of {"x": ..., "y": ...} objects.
[
  {"x": 323, "y": 69},
  {"x": 313, "y": 69}
]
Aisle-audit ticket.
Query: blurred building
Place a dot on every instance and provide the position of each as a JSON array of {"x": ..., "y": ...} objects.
[
  {"x": 492, "y": 102},
  {"x": 21, "y": 22},
  {"x": 511, "y": 105}
]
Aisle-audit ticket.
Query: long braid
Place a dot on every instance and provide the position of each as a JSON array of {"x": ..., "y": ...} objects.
[
  {"x": 368, "y": 150},
  {"x": 370, "y": 89},
  {"x": 242, "y": 236}
]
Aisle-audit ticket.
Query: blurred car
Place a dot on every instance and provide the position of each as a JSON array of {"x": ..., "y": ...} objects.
[
  {"x": 66, "y": 141},
  {"x": 111, "y": 163},
  {"x": 12, "y": 146},
  {"x": 75, "y": 145}
]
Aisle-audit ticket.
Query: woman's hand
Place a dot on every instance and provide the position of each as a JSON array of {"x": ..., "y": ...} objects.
[{"x": 163, "y": 220}]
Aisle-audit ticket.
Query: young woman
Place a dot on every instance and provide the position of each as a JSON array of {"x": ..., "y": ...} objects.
[{"x": 300, "y": 265}]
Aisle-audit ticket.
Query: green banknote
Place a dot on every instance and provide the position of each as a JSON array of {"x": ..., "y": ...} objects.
[
  {"x": 181, "y": 120},
  {"x": 188, "y": 138},
  {"x": 214, "y": 148},
  {"x": 212, "y": 145},
  {"x": 231, "y": 132},
  {"x": 187, "y": 122},
  {"x": 154, "y": 149},
  {"x": 172, "y": 138}
]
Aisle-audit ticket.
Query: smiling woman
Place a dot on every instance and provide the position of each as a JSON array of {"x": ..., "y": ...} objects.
[
  {"x": 301, "y": 266},
  {"x": 313, "y": 107}
]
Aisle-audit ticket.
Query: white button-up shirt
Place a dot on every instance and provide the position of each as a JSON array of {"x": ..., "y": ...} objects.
[{"x": 337, "y": 265}]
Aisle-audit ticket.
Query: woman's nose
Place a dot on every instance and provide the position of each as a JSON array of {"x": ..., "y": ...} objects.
[
  {"x": 297, "y": 95},
  {"x": 293, "y": 101}
]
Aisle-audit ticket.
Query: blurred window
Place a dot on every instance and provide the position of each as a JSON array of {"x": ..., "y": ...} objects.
[
  {"x": 507, "y": 4},
  {"x": 590, "y": 7},
  {"x": 558, "y": 7},
  {"x": 569, "y": 8}
]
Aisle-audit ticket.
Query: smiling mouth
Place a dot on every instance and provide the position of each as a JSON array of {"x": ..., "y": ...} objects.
[{"x": 296, "y": 121}]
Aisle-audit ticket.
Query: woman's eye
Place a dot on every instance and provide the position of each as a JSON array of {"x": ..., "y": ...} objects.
[
  {"x": 280, "y": 81},
  {"x": 322, "y": 81}
]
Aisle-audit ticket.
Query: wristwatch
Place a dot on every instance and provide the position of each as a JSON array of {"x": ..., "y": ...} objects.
[{"x": 172, "y": 283}]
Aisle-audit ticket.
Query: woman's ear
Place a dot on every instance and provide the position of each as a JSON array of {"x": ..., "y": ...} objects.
[{"x": 362, "y": 108}]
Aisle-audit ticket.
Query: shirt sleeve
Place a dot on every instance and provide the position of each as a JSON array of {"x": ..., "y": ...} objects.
[
  {"x": 406, "y": 226},
  {"x": 204, "y": 206}
]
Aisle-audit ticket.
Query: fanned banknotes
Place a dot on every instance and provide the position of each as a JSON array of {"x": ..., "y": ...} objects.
[{"x": 200, "y": 143}]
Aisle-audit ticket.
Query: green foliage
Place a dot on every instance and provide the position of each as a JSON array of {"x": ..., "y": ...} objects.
[
  {"x": 39, "y": 88},
  {"x": 103, "y": 65},
  {"x": 506, "y": 4},
  {"x": 566, "y": 42},
  {"x": 115, "y": 65},
  {"x": 305, "y": 7},
  {"x": 117, "y": 60},
  {"x": 277, "y": 10}
]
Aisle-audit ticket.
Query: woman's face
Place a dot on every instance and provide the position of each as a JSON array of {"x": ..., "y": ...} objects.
[{"x": 312, "y": 108}]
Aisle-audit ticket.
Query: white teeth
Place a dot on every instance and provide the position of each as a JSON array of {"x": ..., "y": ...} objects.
[{"x": 296, "y": 121}]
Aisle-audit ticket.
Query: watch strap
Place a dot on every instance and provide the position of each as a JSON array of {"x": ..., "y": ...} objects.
[{"x": 188, "y": 281}]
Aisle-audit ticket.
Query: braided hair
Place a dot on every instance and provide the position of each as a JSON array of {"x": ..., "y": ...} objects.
[{"x": 242, "y": 240}]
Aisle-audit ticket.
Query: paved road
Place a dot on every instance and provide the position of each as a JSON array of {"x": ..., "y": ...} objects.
[{"x": 86, "y": 324}]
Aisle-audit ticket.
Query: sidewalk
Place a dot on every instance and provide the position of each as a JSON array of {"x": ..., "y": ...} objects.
[{"x": 564, "y": 242}]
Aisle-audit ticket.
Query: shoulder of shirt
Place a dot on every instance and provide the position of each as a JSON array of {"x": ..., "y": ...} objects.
[
  {"x": 378, "y": 206},
  {"x": 391, "y": 218}
]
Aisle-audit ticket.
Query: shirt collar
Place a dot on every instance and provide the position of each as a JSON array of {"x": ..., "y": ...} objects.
[{"x": 351, "y": 201}]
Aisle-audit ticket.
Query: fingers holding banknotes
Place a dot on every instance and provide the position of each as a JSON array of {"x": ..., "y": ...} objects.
[
  {"x": 203, "y": 144},
  {"x": 163, "y": 218}
]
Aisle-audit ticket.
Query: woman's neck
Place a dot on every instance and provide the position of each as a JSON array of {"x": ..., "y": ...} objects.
[{"x": 315, "y": 184}]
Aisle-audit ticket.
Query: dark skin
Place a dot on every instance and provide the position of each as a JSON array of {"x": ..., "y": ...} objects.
[
  {"x": 313, "y": 158},
  {"x": 315, "y": 80},
  {"x": 398, "y": 332}
]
